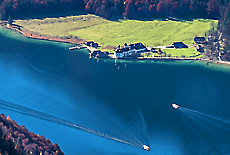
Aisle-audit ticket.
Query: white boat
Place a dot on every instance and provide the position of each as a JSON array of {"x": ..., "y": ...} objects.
[
  {"x": 175, "y": 106},
  {"x": 147, "y": 148}
]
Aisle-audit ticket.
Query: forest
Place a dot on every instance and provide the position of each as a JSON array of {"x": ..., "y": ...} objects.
[{"x": 132, "y": 9}]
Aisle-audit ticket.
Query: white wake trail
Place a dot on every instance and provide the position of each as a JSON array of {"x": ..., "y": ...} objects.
[{"x": 30, "y": 112}]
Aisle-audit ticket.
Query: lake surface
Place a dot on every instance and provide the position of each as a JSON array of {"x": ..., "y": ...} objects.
[{"x": 123, "y": 99}]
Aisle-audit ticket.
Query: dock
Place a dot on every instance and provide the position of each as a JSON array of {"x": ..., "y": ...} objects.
[
  {"x": 91, "y": 49},
  {"x": 90, "y": 45},
  {"x": 77, "y": 47}
]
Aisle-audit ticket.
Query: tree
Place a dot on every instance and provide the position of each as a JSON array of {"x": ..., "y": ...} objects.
[
  {"x": 130, "y": 10},
  {"x": 152, "y": 9},
  {"x": 213, "y": 9},
  {"x": 162, "y": 8},
  {"x": 10, "y": 21},
  {"x": 89, "y": 6}
]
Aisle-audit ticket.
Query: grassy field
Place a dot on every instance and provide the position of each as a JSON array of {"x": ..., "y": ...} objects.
[
  {"x": 112, "y": 33},
  {"x": 62, "y": 25},
  {"x": 151, "y": 33},
  {"x": 190, "y": 52}
]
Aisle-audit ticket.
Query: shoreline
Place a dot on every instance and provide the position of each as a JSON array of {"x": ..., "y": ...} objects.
[
  {"x": 195, "y": 59},
  {"x": 76, "y": 40},
  {"x": 33, "y": 35}
]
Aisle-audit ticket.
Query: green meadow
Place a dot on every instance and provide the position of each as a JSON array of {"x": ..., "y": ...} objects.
[
  {"x": 151, "y": 33},
  {"x": 186, "y": 52},
  {"x": 109, "y": 34},
  {"x": 60, "y": 26}
]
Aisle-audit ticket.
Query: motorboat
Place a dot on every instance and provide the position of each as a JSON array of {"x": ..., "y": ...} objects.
[
  {"x": 175, "y": 106},
  {"x": 147, "y": 148}
]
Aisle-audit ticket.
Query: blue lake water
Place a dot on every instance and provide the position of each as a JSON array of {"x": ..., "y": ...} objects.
[{"x": 123, "y": 99}]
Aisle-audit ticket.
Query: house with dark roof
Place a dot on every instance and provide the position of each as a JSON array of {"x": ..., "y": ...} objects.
[
  {"x": 179, "y": 45},
  {"x": 121, "y": 52},
  {"x": 138, "y": 47},
  {"x": 199, "y": 40},
  {"x": 129, "y": 50},
  {"x": 200, "y": 48}
]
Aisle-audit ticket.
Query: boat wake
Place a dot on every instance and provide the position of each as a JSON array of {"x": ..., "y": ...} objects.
[
  {"x": 206, "y": 133},
  {"x": 30, "y": 112},
  {"x": 203, "y": 114}
]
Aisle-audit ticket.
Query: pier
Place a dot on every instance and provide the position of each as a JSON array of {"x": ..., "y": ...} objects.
[
  {"x": 91, "y": 49},
  {"x": 90, "y": 45},
  {"x": 77, "y": 47}
]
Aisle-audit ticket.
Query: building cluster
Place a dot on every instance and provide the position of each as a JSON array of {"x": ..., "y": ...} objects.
[
  {"x": 200, "y": 41},
  {"x": 94, "y": 51},
  {"x": 136, "y": 49},
  {"x": 91, "y": 44},
  {"x": 129, "y": 50}
]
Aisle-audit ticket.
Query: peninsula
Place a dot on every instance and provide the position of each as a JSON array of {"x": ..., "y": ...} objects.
[{"x": 157, "y": 35}]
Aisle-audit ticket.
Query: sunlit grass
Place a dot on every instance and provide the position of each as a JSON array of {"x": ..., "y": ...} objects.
[
  {"x": 60, "y": 26},
  {"x": 187, "y": 52},
  {"x": 151, "y": 33},
  {"x": 112, "y": 33}
]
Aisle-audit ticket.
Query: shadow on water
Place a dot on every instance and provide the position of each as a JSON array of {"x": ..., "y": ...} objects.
[
  {"x": 52, "y": 80},
  {"x": 206, "y": 134}
]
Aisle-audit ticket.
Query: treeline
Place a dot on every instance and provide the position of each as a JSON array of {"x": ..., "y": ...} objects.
[
  {"x": 115, "y": 8},
  {"x": 156, "y": 8},
  {"x": 33, "y": 8},
  {"x": 17, "y": 140},
  {"x": 224, "y": 28}
]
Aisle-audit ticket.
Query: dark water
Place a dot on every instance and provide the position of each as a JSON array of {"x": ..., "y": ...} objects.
[{"x": 130, "y": 101}]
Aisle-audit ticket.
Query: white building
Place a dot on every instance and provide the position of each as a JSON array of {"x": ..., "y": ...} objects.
[{"x": 129, "y": 50}]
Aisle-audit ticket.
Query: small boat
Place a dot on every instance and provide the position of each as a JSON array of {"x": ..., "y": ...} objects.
[
  {"x": 145, "y": 147},
  {"x": 175, "y": 106}
]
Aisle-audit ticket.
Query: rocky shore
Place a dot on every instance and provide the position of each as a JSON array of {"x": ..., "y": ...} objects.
[{"x": 17, "y": 140}]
